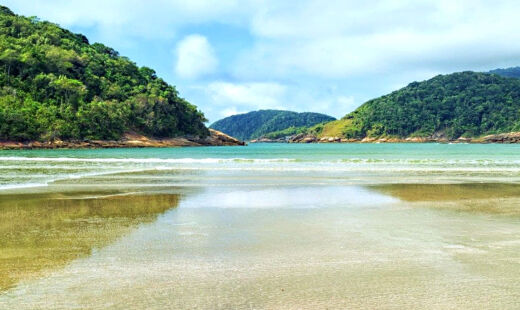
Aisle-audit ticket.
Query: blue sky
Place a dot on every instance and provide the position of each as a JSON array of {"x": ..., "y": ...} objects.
[{"x": 231, "y": 56}]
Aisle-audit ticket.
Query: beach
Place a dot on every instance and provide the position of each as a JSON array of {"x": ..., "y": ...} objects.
[{"x": 285, "y": 226}]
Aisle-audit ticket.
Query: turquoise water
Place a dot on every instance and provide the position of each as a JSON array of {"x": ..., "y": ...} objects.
[
  {"x": 326, "y": 163},
  {"x": 306, "y": 152}
]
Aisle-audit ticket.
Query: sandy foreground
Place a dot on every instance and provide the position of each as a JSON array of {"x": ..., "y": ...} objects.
[{"x": 376, "y": 247}]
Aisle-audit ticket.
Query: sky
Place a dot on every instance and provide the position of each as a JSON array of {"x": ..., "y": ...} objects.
[{"x": 235, "y": 56}]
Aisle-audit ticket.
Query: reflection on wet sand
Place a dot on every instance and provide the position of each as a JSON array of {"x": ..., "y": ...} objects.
[
  {"x": 496, "y": 198},
  {"x": 269, "y": 248},
  {"x": 42, "y": 232}
]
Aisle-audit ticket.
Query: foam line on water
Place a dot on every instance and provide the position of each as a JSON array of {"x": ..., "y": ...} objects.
[
  {"x": 21, "y": 186},
  {"x": 211, "y": 160},
  {"x": 65, "y": 177},
  {"x": 144, "y": 160}
]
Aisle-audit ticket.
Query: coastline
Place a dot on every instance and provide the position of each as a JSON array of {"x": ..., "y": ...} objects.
[
  {"x": 506, "y": 138},
  {"x": 129, "y": 140}
]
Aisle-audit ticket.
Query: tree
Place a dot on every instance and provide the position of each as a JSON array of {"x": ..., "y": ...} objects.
[
  {"x": 9, "y": 58},
  {"x": 70, "y": 90}
]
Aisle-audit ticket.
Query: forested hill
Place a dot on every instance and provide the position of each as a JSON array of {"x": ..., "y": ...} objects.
[
  {"x": 513, "y": 72},
  {"x": 255, "y": 124},
  {"x": 54, "y": 84},
  {"x": 465, "y": 104}
]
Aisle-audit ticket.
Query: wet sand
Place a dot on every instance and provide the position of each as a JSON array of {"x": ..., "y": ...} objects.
[
  {"x": 494, "y": 198},
  {"x": 264, "y": 247},
  {"x": 43, "y": 232}
]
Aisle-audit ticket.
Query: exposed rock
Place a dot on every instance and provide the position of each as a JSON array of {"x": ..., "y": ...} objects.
[
  {"x": 218, "y": 138},
  {"x": 297, "y": 138},
  {"x": 439, "y": 137},
  {"x": 267, "y": 140},
  {"x": 131, "y": 139},
  {"x": 464, "y": 140},
  {"x": 420, "y": 139},
  {"x": 512, "y": 137},
  {"x": 368, "y": 139},
  {"x": 309, "y": 139},
  {"x": 303, "y": 138},
  {"x": 329, "y": 139}
]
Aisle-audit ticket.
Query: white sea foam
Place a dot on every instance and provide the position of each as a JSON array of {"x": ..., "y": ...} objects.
[
  {"x": 45, "y": 180},
  {"x": 6, "y": 159},
  {"x": 144, "y": 160},
  {"x": 21, "y": 186}
]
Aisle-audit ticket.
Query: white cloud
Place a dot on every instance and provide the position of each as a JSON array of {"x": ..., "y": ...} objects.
[
  {"x": 195, "y": 57},
  {"x": 255, "y": 95},
  {"x": 345, "y": 39},
  {"x": 231, "y": 111},
  {"x": 346, "y": 103},
  {"x": 235, "y": 98},
  {"x": 133, "y": 18}
]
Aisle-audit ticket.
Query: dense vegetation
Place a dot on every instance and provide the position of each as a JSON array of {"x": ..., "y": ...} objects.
[
  {"x": 287, "y": 132},
  {"x": 54, "y": 84},
  {"x": 513, "y": 72},
  {"x": 255, "y": 124},
  {"x": 466, "y": 104}
]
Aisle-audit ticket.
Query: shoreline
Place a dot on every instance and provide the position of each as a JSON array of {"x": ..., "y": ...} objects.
[
  {"x": 504, "y": 138},
  {"x": 129, "y": 140}
]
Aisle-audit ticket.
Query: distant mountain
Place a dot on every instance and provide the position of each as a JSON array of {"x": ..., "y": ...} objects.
[
  {"x": 255, "y": 124},
  {"x": 466, "y": 104},
  {"x": 513, "y": 72}
]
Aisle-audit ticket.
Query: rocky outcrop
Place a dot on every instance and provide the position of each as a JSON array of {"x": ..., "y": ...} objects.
[
  {"x": 303, "y": 138},
  {"x": 267, "y": 140},
  {"x": 216, "y": 138},
  {"x": 512, "y": 137}
]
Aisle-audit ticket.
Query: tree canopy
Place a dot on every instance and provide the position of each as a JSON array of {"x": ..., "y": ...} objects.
[
  {"x": 55, "y": 84},
  {"x": 466, "y": 104}
]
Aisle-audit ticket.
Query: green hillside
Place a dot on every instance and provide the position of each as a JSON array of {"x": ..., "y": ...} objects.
[
  {"x": 255, "y": 124},
  {"x": 466, "y": 104},
  {"x": 54, "y": 84}
]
